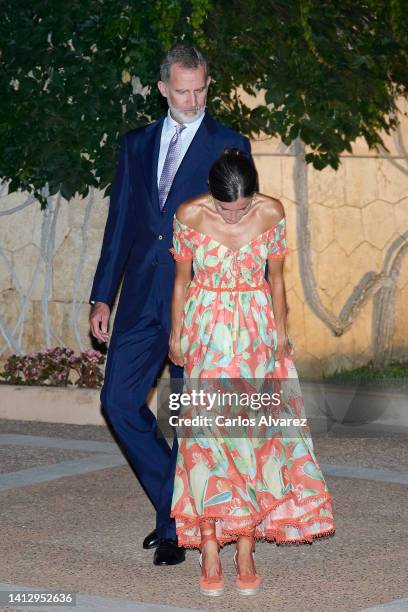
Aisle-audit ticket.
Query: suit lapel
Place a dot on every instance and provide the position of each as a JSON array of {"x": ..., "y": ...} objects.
[
  {"x": 195, "y": 155},
  {"x": 150, "y": 159}
]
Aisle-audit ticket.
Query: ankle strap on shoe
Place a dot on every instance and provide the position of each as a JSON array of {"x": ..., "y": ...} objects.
[
  {"x": 251, "y": 539},
  {"x": 207, "y": 537}
]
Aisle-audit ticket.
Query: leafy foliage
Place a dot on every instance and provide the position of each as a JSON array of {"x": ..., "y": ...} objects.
[
  {"x": 331, "y": 71},
  {"x": 55, "y": 367},
  {"x": 67, "y": 72},
  {"x": 393, "y": 374},
  {"x": 75, "y": 76}
]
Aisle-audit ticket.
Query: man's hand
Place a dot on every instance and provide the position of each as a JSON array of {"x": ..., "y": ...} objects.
[{"x": 99, "y": 319}]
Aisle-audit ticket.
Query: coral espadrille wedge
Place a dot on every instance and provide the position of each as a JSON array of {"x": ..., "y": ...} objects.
[
  {"x": 210, "y": 585},
  {"x": 250, "y": 583}
]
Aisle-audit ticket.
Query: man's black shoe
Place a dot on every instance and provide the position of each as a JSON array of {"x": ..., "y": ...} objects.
[
  {"x": 151, "y": 541},
  {"x": 168, "y": 553}
]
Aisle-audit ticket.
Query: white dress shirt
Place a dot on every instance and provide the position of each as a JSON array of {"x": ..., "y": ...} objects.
[{"x": 168, "y": 130}]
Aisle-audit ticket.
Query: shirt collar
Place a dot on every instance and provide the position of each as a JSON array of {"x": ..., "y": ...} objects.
[{"x": 170, "y": 123}]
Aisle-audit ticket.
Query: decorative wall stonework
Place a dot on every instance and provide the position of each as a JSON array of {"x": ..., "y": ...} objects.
[{"x": 356, "y": 218}]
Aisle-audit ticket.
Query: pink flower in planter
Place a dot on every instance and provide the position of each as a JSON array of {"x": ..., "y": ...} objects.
[{"x": 53, "y": 366}]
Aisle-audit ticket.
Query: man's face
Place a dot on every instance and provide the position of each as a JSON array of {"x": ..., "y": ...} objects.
[{"x": 186, "y": 92}]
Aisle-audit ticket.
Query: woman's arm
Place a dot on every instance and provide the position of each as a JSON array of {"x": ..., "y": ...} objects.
[
  {"x": 181, "y": 283},
  {"x": 278, "y": 293}
]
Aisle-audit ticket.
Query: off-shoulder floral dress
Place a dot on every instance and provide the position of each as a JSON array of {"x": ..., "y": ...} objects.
[{"x": 265, "y": 478}]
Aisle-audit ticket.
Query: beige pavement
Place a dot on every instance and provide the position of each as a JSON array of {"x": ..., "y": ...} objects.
[{"x": 83, "y": 531}]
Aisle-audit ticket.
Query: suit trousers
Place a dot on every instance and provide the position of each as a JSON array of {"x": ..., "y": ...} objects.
[{"x": 135, "y": 358}]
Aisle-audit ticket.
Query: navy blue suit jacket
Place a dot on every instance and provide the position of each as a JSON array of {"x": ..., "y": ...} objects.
[{"x": 137, "y": 234}]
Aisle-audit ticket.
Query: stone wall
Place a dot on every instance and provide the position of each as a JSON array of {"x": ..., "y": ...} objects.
[
  {"x": 347, "y": 290},
  {"x": 357, "y": 218}
]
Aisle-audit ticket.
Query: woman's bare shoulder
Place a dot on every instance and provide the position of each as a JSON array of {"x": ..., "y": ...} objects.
[
  {"x": 271, "y": 209},
  {"x": 189, "y": 211}
]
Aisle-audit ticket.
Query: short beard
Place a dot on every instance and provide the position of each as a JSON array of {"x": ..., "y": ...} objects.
[{"x": 182, "y": 118}]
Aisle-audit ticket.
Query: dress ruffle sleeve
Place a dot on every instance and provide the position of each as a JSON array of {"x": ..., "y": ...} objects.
[
  {"x": 182, "y": 249},
  {"x": 277, "y": 245}
]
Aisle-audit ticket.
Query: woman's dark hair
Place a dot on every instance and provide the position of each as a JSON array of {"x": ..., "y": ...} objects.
[{"x": 232, "y": 176}]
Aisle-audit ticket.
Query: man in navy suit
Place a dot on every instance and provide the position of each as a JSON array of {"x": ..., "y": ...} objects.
[{"x": 160, "y": 166}]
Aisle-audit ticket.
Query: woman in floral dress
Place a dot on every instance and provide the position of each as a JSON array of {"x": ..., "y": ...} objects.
[{"x": 229, "y": 324}]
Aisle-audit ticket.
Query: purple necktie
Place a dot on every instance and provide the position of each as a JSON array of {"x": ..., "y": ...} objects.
[{"x": 170, "y": 165}]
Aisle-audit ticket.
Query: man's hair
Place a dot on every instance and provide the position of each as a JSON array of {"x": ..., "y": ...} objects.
[{"x": 188, "y": 57}]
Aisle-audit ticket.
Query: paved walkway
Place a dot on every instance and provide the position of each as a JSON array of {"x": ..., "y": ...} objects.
[{"x": 74, "y": 516}]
